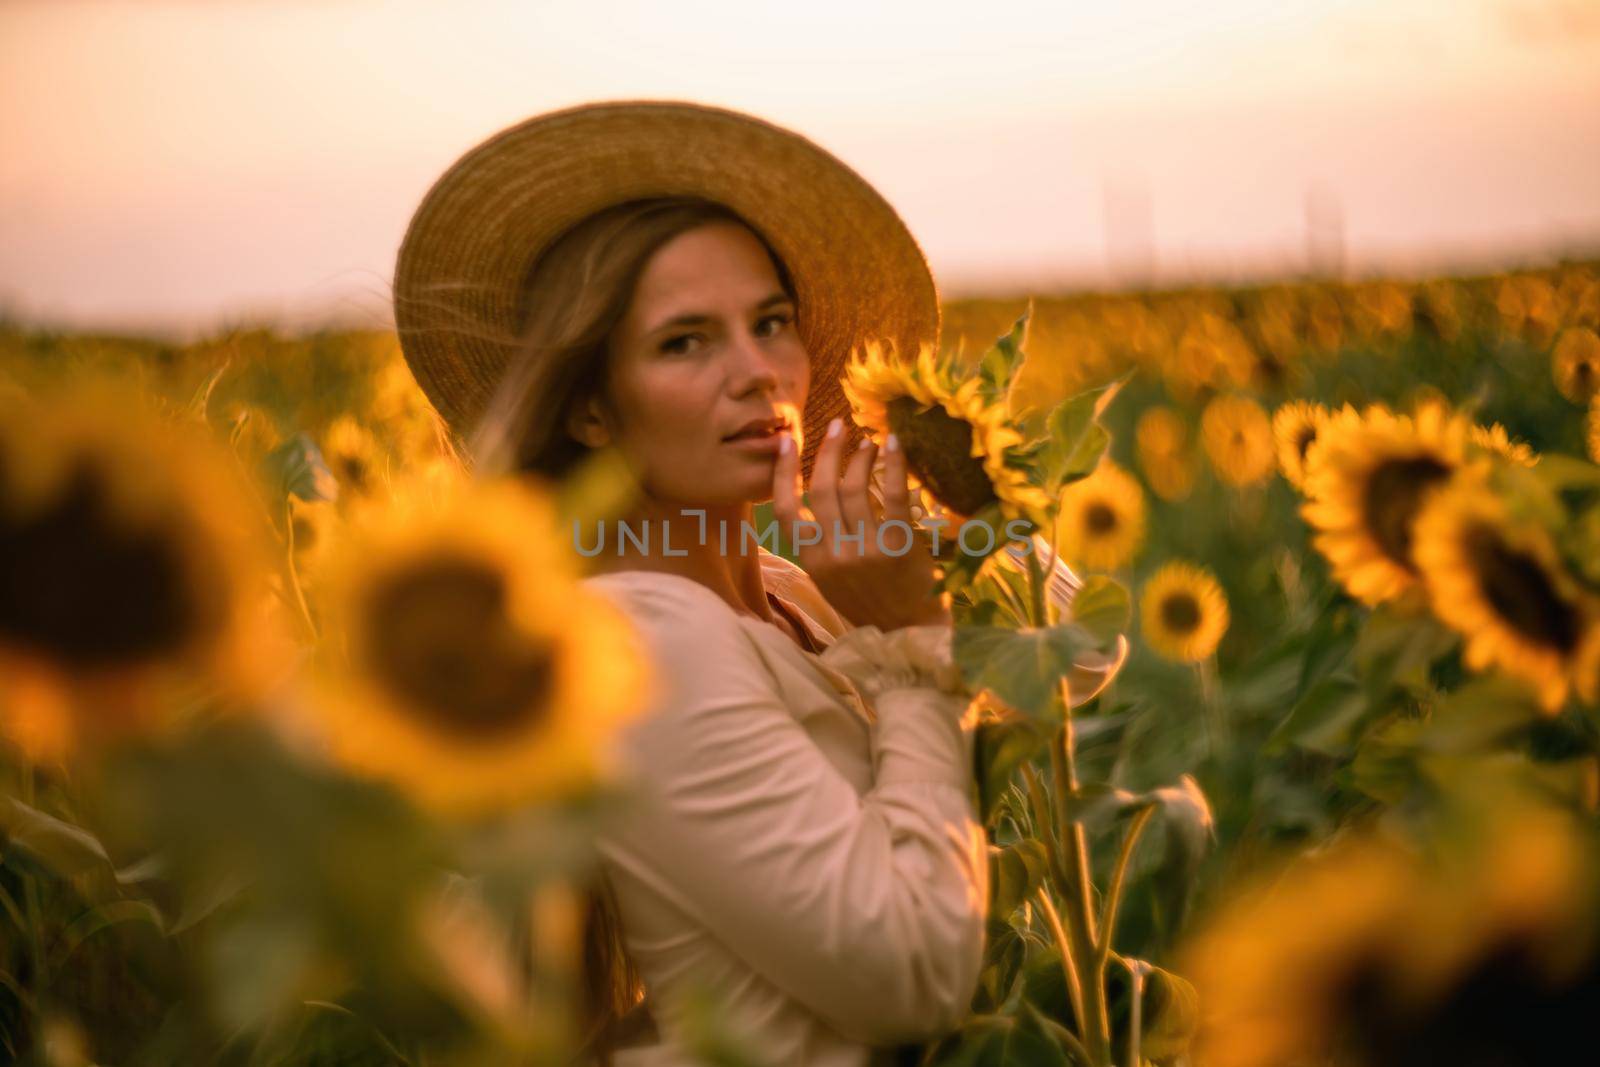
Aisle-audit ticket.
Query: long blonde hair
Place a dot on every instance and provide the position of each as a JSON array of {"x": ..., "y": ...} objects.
[{"x": 573, "y": 299}]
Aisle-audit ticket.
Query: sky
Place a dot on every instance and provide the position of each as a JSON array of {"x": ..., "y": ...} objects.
[{"x": 180, "y": 164}]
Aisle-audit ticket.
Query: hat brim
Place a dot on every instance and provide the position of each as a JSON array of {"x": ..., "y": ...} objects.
[{"x": 858, "y": 273}]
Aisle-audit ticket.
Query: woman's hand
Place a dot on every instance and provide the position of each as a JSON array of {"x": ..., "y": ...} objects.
[{"x": 864, "y": 583}]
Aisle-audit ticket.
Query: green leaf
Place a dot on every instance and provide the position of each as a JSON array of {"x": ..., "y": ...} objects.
[
  {"x": 296, "y": 468},
  {"x": 1393, "y": 649},
  {"x": 1480, "y": 715},
  {"x": 1074, "y": 441},
  {"x": 1561, "y": 472},
  {"x": 70, "y": 851},
  {"x": 1171, "y": 1015},
  {"x": 1015, "y": 873},
  {"x": 1021, "y": 667},
  {"x": 999, "y": 362},
  {"x": 1003, "y": 1041},
  {"x": 1103, "y": 607},
  {"x": 1324, "y": 719},
  {"x": 1000, "y": 747}
]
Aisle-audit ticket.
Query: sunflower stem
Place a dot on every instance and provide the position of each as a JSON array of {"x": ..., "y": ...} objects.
[
  {"x": 1036, "y": 615},
  {"x": 1210, "y": 712},
  {"x": 1094, "y": 1022},
  {"x": 1137, "y": 969},
  {"x": 1119, "y": 875},
  {"x": 294, "y": 574}
]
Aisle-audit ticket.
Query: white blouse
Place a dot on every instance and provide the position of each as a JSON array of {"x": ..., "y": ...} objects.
[{"x": 803, "y": 845}]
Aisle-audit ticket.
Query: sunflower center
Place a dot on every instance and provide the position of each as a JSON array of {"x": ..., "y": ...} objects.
[
  {"x": 80, "y": 587},
  {"x": 1393, "y": 494},
  {"x": 442, "y": 642},
  {"x": 938, "y": 449},
  {"x": 352, "y": 469},
  {"x": 1180, "y": 613},
  {"x": 1520, "y": 591},
  {"x": 1099, "y": 519},
  {"x": 1302, "y": 440}
]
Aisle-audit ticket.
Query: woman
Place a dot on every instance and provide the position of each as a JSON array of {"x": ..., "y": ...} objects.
[{"x": 683, "y": 283}]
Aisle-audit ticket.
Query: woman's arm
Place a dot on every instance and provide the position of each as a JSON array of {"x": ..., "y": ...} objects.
[{"x": 868, "y": 909}]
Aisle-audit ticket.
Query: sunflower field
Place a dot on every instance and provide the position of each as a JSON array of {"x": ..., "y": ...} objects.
[{"x": 305, "y": 734}]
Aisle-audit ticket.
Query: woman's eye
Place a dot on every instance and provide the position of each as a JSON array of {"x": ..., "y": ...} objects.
[
  {"x": 781, "y": 319},
  {"x": 675, "y": 345}
]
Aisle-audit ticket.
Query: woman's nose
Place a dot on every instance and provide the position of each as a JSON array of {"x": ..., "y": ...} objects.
[{"x": 751, "y": 364}]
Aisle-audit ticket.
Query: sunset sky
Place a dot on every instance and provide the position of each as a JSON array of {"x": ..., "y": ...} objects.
[{"x": 185, "y": 164}]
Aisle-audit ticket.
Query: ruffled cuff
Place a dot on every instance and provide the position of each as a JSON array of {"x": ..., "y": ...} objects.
[{"x": 905, "y": 657}]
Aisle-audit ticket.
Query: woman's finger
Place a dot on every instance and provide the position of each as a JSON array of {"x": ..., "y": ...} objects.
[
  {"x": 854, "y": 500},
  {"x": 786, "y": 483},
  {"x": 896, "y": 492},
  {"x": 824, "y": 488}
]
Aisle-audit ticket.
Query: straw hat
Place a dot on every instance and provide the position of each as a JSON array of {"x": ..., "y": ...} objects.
[{"x": 857, "y": 271}]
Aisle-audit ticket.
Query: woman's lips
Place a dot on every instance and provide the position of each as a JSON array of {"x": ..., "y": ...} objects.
[{"x": 757, "y": 442}]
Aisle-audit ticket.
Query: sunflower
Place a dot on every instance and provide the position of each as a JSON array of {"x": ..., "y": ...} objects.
[
  {"x": 351, "y": 453},
  {"x": 1367, "y": 476},
  {"x": 1500, "y": 582},
  {"x": 1162, "y": 440},
  {"x": 1366, "y": 954},
  {"x": 132, "y": 576},
  {"x": 477, "y": 672},
  {"x": 1238, "y": 438},
  {"x": 962, "y": 448},
  {"x": 1101, "y": 519},
  {"x": 1294, "y": 427},
  {"x": 1494, "y": 438},
  {"x": 1575, "y": 363},
  {"x": 1183, "y": 611}
]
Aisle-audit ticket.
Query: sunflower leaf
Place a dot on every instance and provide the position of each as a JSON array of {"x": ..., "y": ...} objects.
[
  {"x": 999, "y": 362},
  {"x": 1325, "y": 719},
  {"x": 1003, "y": 745},
  {"x": 1023, "y": 668},
  {"x": 1015, "y": 872},
  {"x": 1074, "y": 441},
  {"x": 1103, "y": 607},
  {"x": 1171, "y": 1015}
]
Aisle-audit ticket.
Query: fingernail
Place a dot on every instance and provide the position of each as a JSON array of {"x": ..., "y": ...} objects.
[
  {"x": 834, "y": 427},
  {"x": 894, "y": 443},
  {"x": 785, "y": 443}
]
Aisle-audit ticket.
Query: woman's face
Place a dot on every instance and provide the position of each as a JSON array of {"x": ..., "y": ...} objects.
[{"x": 707, "y": 345}]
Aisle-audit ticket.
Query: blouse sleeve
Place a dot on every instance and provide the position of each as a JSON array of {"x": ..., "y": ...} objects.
[{"x": 868, "y": 909}]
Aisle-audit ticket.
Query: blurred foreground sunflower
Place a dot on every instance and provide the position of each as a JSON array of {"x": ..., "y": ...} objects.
[
  {"x": 1294, "y": 428},
  {"x": 1367, "y": 476},
  {"x": 1238, "y": 438},
  {"x": 1183, "y": 612},
  {"x": 1501, "y": 583},
  {"x": 352, "y": 454},
  {"x": 132, "y": 574},
  {"x": 1575, "y": 363},
  {"x": 1101, "y": 519},
  {"x": 961, "y": 448},
  {"x": 1368, "y": 955},
  {"x": 1494, "y": 438},
  {"x": 1162, "y": 442},
  {"x": 477, "y": 674}
]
